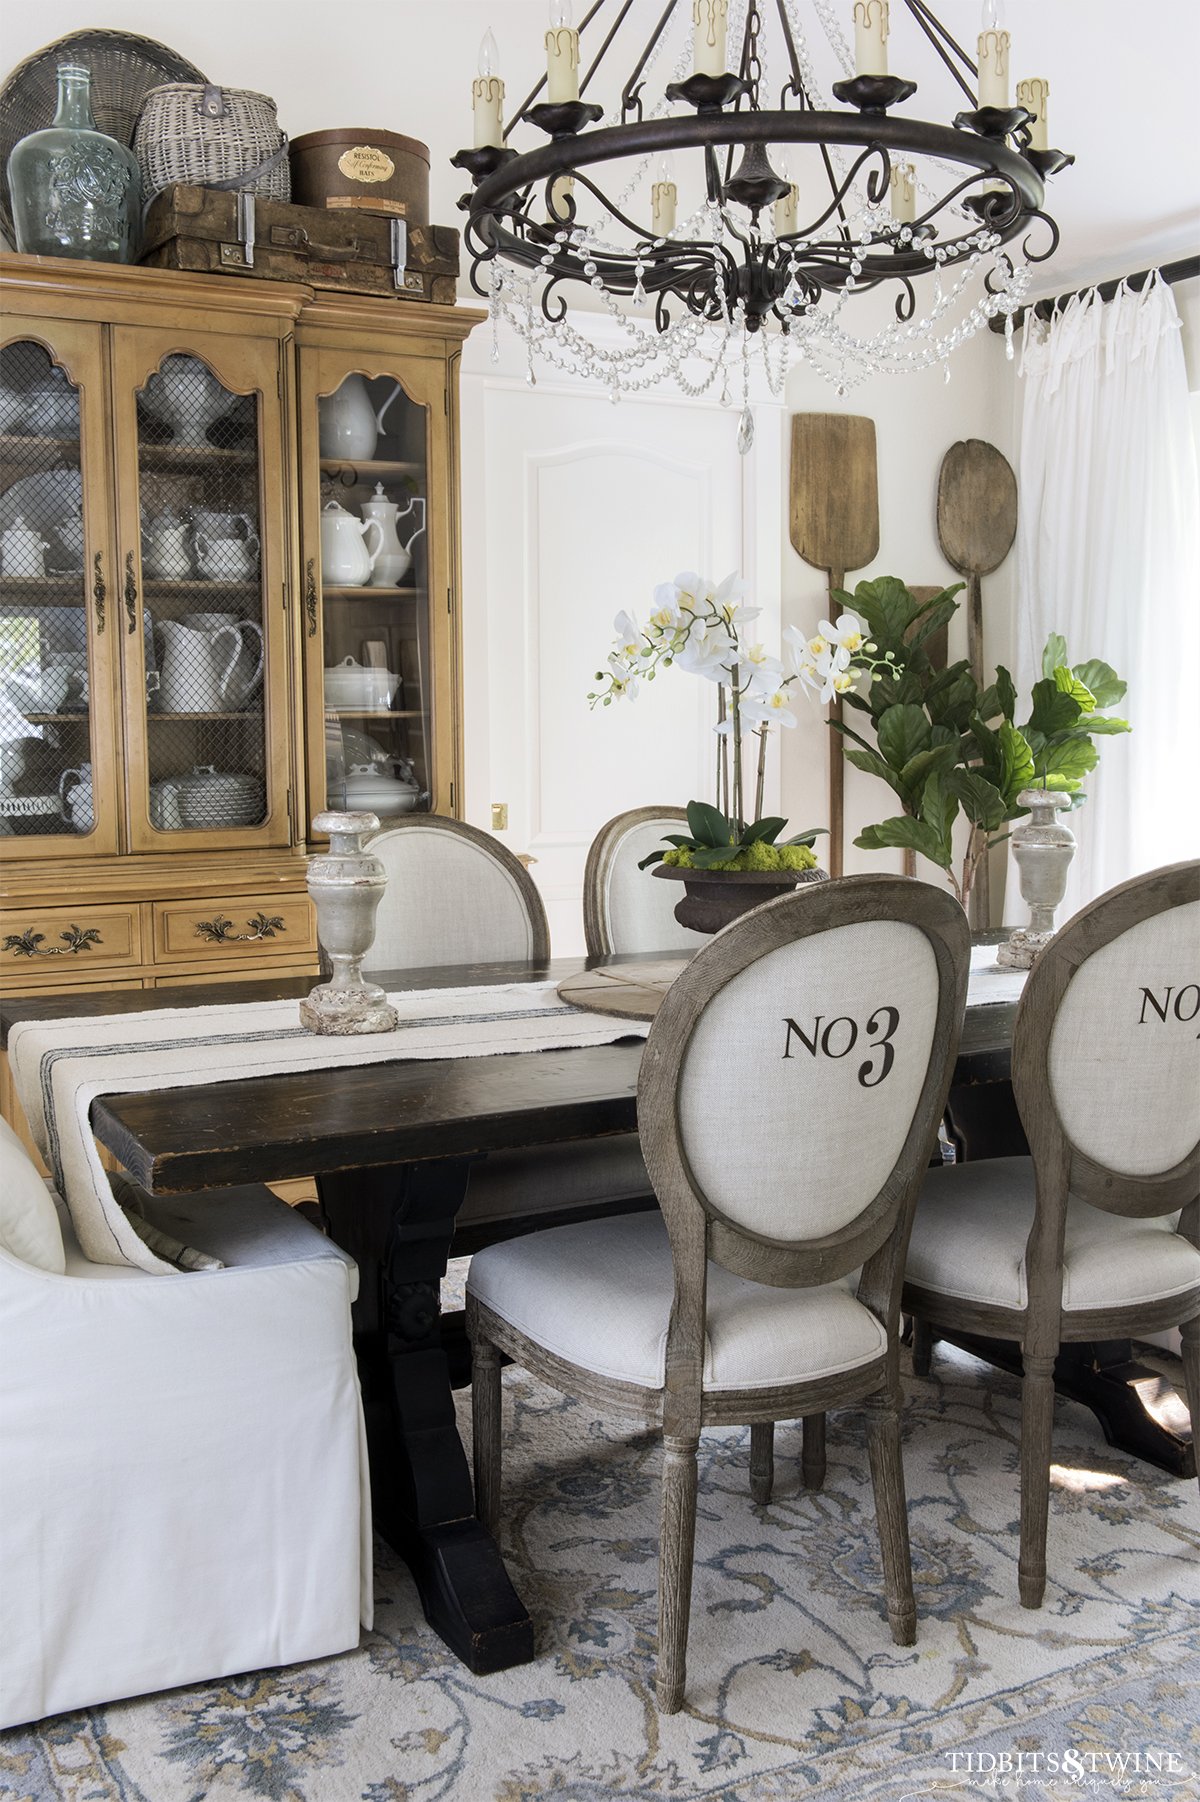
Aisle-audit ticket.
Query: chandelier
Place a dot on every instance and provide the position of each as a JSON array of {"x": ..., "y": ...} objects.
[{"x": 766, "y": 263}]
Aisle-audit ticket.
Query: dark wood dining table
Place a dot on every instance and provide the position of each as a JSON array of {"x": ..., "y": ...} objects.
[{"x": 391, "y": 1147}]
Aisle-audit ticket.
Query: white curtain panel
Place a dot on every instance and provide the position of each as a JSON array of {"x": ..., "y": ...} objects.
[{"x": 1109, "y": 555}]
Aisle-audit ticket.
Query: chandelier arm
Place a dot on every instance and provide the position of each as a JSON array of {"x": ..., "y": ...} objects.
[
  {"x": 599, "y": 56},
  {"x": 938, "y": 36},
  {"x": 798, "y": 87},
  {"x": 630, "y": 96}
]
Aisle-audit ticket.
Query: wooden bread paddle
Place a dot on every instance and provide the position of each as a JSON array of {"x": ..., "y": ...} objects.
[
  {"x": 976, "y": 522},
  {"x": 835, "y": 527}
]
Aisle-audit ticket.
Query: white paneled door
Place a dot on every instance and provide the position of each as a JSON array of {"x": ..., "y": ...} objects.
[{"x": 586, "y": 506}]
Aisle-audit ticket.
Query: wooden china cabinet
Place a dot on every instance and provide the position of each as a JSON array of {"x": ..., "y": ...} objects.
[{"x": 164, "y": 626}]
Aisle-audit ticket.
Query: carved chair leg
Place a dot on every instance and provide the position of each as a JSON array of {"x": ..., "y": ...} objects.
[
  {"x": 922, "y": 1346},
  {"x": 1189, "y": 1332},
  {"x": 762, "y": 1460},
  {"x": 812, "y": 1451},
  {"x": 1037, "y": 1417},
  {"x": 485, "y": 1431},
  {"x": 891, "y": 1515},
  {"x": 677, "y": 1543}
]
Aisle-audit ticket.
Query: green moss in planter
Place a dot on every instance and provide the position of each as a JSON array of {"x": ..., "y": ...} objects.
[{"x": 759, "y": 857}]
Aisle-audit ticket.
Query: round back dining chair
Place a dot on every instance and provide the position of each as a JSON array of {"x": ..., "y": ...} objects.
[
  {"x": 455, "y": 895},
  {"x": 1083, "y": 1240},
  {"x": 625, "y": 908},
  {"x": 788, "y": 1101}
]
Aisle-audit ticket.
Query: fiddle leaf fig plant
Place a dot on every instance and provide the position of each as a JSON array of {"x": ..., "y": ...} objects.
[{"x": 944, "y": 745}]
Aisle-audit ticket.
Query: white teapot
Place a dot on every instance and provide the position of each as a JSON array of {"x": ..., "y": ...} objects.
[
  {"x": 168, "y": 551},
  {"x": 346, "y": 562},
  {"x": 395, "y": 557},
  {"x": 22, "y": 552},
  {"x": 349, "y": 424}
]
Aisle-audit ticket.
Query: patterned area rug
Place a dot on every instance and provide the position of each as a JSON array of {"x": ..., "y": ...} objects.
[{"x": 794, "y": 1687}]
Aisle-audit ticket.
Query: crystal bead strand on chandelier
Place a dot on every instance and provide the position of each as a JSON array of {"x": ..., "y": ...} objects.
[{"x": 885, "y": 206}]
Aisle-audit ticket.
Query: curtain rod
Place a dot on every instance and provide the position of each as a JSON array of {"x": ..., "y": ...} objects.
[{"x": 1180, "y": 271}]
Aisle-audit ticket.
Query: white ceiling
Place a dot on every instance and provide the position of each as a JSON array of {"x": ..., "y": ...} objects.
[{"x": 1122, "y": 76}]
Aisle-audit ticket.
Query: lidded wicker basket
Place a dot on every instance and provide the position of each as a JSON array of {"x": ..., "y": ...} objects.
[{"x": 211, "y": 137}]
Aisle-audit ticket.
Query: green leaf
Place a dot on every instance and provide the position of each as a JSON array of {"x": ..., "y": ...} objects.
[
  {"x": 953, "y": 702},
  {"x": 849, "y": 732},
  {"x": 873, "y": 764},
  {"x": 1016, "y": 763},
  {"x": 708, "y": 825},
  {"x": 1006, "y": 692},
  {"x": 1107, "y": 724},
  {"x": 767, "y": 829},
  {"x": 708, "y": 855},
  {"x": 939, "y": 807},
  {"x": 982, "y": 802},
  {"x": 902, "y": 731},
  {"x": 1054, "y": 654},
  {"x": 939, "y": 613},
  {"x": 917, "y": 771},
  {"x": 1069, "y": 684},
  {"x": 987, "y": 744},
  {"x": 888, "y": 608},
  {"x": 990, "y": 703},
  {"x": 905, "y": 834},
  {"x": 654, "y": 857},
  {"x": 807, "y": 836},
  {"x": 1052, "y": 710},
  {"x": 1103, "y": 681},
  {"x": 1071, "y": 758}
]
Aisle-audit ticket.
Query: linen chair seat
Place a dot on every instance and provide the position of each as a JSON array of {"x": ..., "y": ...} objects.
[
  {"x": 973, "y": 1222},
  {"x": 598, "y": 1295}
]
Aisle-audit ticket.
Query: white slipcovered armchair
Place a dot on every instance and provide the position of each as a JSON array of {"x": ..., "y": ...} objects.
[{"x": 183, "y": 1484}]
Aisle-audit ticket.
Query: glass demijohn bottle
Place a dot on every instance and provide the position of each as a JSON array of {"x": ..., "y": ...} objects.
[{"x": 75, "y": 191}]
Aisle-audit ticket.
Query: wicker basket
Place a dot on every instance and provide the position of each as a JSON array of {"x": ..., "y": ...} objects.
[
  {"x": 124, "y": 69},
  {"x": 211, "y": 137}
]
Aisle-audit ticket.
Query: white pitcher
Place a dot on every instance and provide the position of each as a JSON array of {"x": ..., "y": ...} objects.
[
  {"x": 246, "y": 674},
  {"x": 346, "y": 561},
  {"x": 349, "y": 424},
  {"x": 22, "y": 552},
  {"x": 227, "y": 559},
  {"x": 198, "y": 667},
  {"x": 395, "y": 557}
]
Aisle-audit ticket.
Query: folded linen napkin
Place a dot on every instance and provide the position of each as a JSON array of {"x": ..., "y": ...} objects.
[{"x": 60, "y": 1067}]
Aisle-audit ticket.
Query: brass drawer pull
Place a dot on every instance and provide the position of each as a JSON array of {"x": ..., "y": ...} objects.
[
  {"x": 99, "y": 593},
  {"x": 219, "y": 930},
  {"x": 33, "y": 944},
  {"x": 310, "y": 597},
  {"x": 131, "y": 594}
]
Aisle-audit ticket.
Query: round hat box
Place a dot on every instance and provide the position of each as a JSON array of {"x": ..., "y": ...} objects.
[{"x": 356, "y": 166}]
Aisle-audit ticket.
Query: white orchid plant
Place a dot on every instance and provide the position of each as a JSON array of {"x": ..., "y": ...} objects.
[{"x": 703, "y": 628}]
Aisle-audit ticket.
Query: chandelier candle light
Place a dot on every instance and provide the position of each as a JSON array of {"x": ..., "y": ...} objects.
[{"x": 725, "y": 256}]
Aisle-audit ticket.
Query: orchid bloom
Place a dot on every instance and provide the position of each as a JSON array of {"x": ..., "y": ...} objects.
[
  {"x": 708, "y": 654},
  {"x": 756, "y": 659},
  {"x": 849, "y": 633},
  {"x": 624, "y": 680},
  {"x": 771, "y": 707},
  {"x": 629, "y": 639}
]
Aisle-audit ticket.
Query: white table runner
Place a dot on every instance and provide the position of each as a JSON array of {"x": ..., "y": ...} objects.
[{"x": 59, "y": 1067}]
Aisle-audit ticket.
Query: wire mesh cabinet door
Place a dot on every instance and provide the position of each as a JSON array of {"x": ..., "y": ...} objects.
[
  {"x": 59, "y": 792},
  {"x": 202, "y": 587},
  {"x": 376, "y": 551}
]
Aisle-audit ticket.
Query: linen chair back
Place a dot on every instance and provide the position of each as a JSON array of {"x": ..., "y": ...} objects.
[
  {"x": 793, "y": 1081},
  {"x": 624, "y": 908},
  {"x": 1106, "y": 1051},
  {"x": 454, "y": 895}
]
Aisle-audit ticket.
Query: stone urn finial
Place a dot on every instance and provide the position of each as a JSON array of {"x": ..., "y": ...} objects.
[{"x": 346, "y": 884}]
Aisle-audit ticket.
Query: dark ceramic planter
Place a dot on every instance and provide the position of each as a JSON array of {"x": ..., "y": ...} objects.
[{"x": 712, "y": 898}]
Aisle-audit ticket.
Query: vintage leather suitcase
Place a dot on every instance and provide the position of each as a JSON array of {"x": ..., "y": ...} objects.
[{"x": 211, "y": 232}]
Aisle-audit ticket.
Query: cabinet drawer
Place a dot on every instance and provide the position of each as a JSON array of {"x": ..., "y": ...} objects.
[
  {"x": 66, "y": 943},
  {"x": 233, "y": 928}
]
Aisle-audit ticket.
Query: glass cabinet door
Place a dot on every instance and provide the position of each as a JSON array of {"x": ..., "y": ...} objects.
[
  {"x": 373, "y": 561},
  {"x": 58, "y": 781},
  {"x": 201, "y": 539}
]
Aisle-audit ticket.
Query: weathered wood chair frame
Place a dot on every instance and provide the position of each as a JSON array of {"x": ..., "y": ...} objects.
[
  {"x": 604, "y": 850},
  {"x": 523, "y": 883},
  {"x": 1062, "y": 1169},
  {"x": 875, "y": 1240}
]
